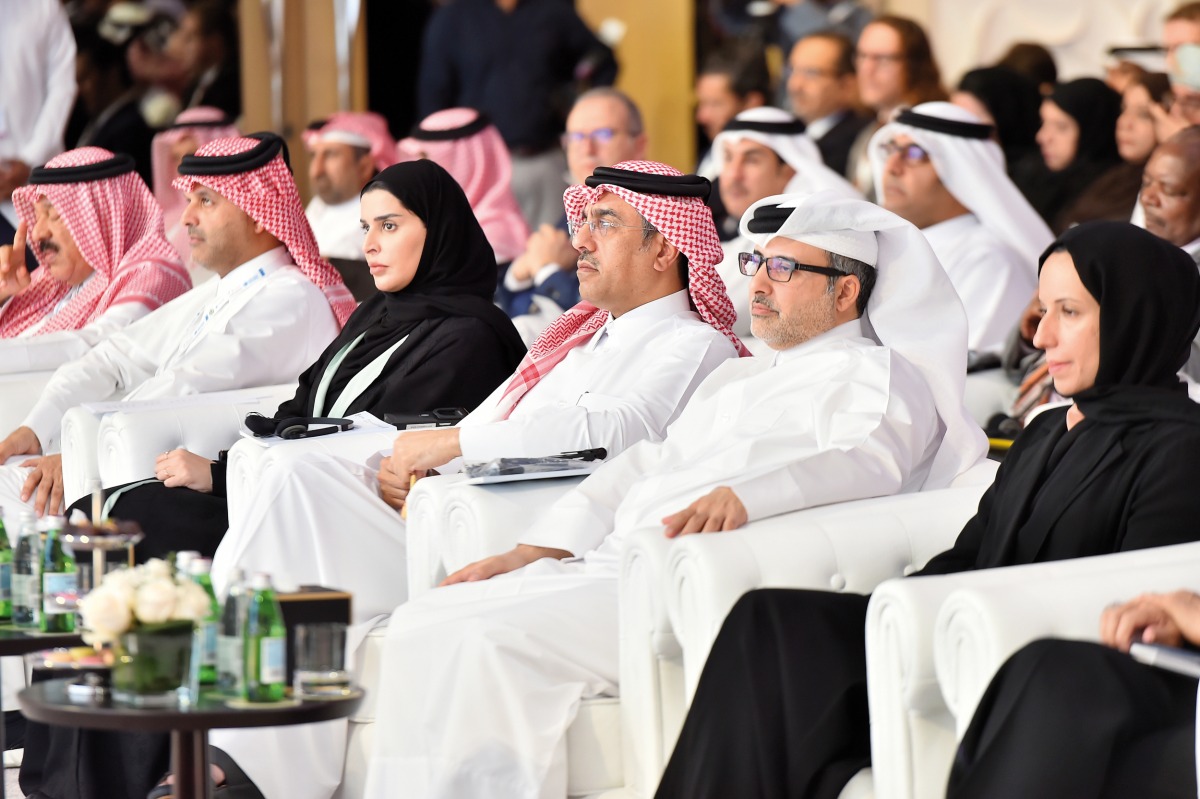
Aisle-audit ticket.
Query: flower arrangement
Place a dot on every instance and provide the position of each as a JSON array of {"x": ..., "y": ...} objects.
[{"x": 129, "y": 600}]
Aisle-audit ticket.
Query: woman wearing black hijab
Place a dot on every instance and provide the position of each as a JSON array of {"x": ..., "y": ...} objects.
[
  {"x": 781, "y": 708},
  {"x": 430, "y": 338},
  {"x": 1008, "y": 100},
  {"x": 1078, "y": 143}
]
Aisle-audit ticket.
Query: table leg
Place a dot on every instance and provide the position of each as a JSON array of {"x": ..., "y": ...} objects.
[
  {"x": 3, "y": 748},
  {"x": 189, "y": 763}
]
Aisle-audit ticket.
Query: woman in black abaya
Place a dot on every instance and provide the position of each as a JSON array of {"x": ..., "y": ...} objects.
[
  {"x": 781, "y": 708},
  {"x": 431, "y": 336}
]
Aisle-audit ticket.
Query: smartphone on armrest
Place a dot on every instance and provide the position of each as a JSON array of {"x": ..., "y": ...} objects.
[{"x": 1171, "y": 658}]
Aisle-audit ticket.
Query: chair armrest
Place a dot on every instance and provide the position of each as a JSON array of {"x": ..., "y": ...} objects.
[
  {"x": 979, "y": 626},
  {"x": 988, "y": 393},
  {"x": 18, "y": 394},
  {"x": 452, "y": 524}
]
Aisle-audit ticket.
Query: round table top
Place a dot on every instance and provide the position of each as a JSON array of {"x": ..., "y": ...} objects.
[
  {"x": 20, "y": 640},
  {"x": 47, "y": 702}
]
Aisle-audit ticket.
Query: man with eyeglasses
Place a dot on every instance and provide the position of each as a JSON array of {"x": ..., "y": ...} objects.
[
  {"x": 824, "y": 93},
  {"x": 832, "y": 415},
  {"x": 761, "y": 152},
  {"x": 603, "y": 128},
  {"x": 937, "y": 166}
]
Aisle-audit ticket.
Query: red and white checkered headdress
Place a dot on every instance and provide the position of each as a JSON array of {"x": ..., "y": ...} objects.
[
  {"x": 267, "y": 194},
  {"x": 364, "y": 129},
  {"x": 117, "y": 226},
  {"x": 673, "y": 203},
  {"x": 464, "y": 143},
  {"x": 203, "y": 124}
]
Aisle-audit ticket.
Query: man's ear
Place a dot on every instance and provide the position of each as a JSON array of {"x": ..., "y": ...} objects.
[
  {"x": 665, "y": 258},
  {"x": 848, "y": 289}
]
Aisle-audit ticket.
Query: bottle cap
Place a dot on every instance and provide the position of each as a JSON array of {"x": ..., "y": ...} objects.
[
  {"x": 48, "y": 523},
  {"x": 261, "y": 581},
  {"x": 199, "y": 566}
]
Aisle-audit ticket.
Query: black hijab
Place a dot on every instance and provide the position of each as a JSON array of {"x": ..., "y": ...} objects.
[
  {"x": 455, "y": 277},
  {"x": 1149, "y": 296},
  {"x": 1013, "y": 101},
  {"x": 1095, "y": 108}
]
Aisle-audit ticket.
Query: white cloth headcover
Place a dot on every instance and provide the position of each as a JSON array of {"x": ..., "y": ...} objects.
[
  {"x": 973, "y": 171},
  {"x": 913, "y": 308},
  {"x": 794, "y": 149}
]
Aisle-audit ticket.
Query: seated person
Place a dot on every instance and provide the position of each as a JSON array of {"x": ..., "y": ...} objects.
[
  {"x": 98, "y": 235},
  {"x": 1111, "y": 473},
  {"x": 429, "y": 338},
  {"x": 468, "y": 146},
  {"x": 1080, "y": 719},
  {"x": 862, "y": 397},
  {"x": 613, "y": 371},
  {"x": 274, "y": 308},
  {"x": 936, "y": 166}
]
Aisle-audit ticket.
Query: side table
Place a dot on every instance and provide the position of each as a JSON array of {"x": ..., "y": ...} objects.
[{"x": 49, "y": 703}]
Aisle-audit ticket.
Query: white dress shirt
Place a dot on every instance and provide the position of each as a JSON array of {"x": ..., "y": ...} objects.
[
  {"x": 836, "y": 418},
  {"x": 261, "y": 324},
  {"x": 34, "y": 352},
  {"x": 626, "y": 384},
  {"x": 338, "y": 228},
  {"x": 989, "y": 275}
]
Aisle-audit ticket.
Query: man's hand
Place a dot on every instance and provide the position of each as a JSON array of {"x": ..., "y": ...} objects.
[
  {"x": 394, "y": 487},
  {"x": 1153, "y": 619},
  {"x": 521, "y": 555},
  {"x": 418, "y": 451},
  {"x": 21, "y": 441},
  {"x": 14, "y": 277},
  {"x": 1030, "y": 318},
  {"x": 718, "y": 511},
  {"x": 44, "y": 484},
  {"x": 546, "y": 245},
  {"x": 1166, "y": 124},
  {"x": 182, "y": 469}
]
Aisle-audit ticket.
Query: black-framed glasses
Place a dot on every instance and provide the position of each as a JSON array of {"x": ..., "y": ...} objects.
[
  {"x": 599, "y": 136},
  {"x": 911, "y": 154},
  {"x": 779, "y": 268}
]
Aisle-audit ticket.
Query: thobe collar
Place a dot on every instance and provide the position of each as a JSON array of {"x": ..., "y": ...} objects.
[
  {"x": 632, "y": 324},
  {"x": 1193, "y": 249},
  {"x": 256, "y": 268},
  {"x": 817, "y": 129},
  {"x": 71, "y": 294},
  {"x": 949, "y": 228},
  {"x": 846, "y": 330}
]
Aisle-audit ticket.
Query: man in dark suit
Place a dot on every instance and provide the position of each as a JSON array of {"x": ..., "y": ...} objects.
[{"x": 824, "y": 90}]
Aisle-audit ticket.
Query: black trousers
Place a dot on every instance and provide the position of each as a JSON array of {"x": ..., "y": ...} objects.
[
  {"x": 1080, "y": 720},
  {"x": 173, "y": 519},
  {"x": 781, "y": 708}
]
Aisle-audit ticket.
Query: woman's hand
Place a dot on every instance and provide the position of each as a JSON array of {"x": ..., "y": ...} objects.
[{"x": 179, "y": 468}]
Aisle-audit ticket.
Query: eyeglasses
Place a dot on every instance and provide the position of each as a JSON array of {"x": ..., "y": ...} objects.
[
  {"x": 911, "y": 154},
  {"x": 812, "y": 73},
  {"x": 597, "y": 136},
  {"x": 601, "y": 227},
  {"x": 889, "y": 59},
  {"x": 780, "y": 269}
]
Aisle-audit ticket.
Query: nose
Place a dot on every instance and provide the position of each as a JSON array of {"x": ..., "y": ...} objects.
[
  {"x": 1044, "y": 337},
  {"x": 760, "y": 283},
  {"x": 1149, "y": 196},
  {"x": 41, "y": 228},
  {"x": 189, "y": 218},
  {"x": 370, "y": 243},
  {"x": 894, "y": 163},
  {"x": 583, "y": 239}
]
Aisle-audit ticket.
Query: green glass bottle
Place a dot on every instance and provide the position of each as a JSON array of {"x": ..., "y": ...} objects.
[
  {"x": 6, "y": 566},
  {"x": 231, "y": 670},
  {"x": 265, "y": 643},
  {"x": 205, "y": 649},
  {"x": 60, "y": 592}
]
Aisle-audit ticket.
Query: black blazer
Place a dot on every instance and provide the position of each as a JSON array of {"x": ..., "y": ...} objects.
[
  {"x": 836, "y": 143},
  {"x": 1118, "y": 487}
]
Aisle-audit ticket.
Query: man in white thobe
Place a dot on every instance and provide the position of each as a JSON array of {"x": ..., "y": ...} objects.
[
  {"x": 936, "y": 166},
  {"x": 262, "y": 322},
  {"x": 761, "y": 152},
  {"x": 484, "y": 676}
]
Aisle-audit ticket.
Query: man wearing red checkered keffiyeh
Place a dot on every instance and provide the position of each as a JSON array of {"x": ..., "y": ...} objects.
[
  {"x": 266, "y": 192},
  {"x": 98, "y": 236}
]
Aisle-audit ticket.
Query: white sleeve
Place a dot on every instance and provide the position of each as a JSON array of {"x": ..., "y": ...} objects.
[
  {"x": 57, "y": 96},
  {"x": 52, "y": 350},
  {"x": 641, "y": 408},
  {"x": 995, "y": 288}
]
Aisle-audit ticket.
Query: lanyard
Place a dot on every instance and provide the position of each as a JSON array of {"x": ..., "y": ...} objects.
[
  {"x": 201, "y": 320},
  {"x": 357, "y": 385}
]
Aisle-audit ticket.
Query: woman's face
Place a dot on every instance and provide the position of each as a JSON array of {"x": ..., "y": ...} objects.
[
  {"x": 394, "y": 238},
  {"x": 1058, "y": 137},
  {"x": 1135, "y": 126},
  {"x": 1070, "y": 329}
]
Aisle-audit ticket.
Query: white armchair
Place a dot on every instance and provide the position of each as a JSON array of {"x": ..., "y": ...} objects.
[
  {"x": 112, "y": 443},
  {"x": 18, "y": 394}
]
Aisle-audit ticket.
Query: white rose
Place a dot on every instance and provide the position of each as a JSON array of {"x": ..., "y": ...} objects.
[
  {"x": 156, "y": 568},
  {"x": 191, "y": 601},
  {"x": 155, "y": 601},
  {"x": 106, "y": 613},
  {"x": 124, "y": 582}
]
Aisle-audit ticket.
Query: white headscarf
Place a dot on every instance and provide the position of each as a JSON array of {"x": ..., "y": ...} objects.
[
  {"x": 913, "y": 308},
  {"x": 971, "y": 169},
  {"x": 782, "y": 133}
]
